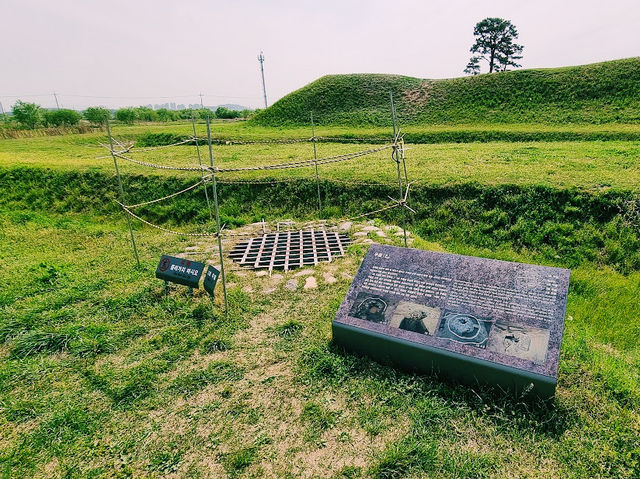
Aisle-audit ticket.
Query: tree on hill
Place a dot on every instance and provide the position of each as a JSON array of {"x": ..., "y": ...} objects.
[
  {"x": 29, "y": 115},
  {"x": 494, "y": 44}
]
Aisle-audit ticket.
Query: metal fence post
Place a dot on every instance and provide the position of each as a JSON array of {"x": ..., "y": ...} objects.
[
  {"x": 115, "y": 163},
  {"x": 396, "y": 158},
  {"x": 315, "y": 157},
  {"x": 217, "y": 211},
  {"x": 195, "y": 138}
]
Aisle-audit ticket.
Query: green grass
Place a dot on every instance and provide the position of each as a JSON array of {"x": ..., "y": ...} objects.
[
  {"x": 278, "y": 400},
  {"x": 102, "y": 375},
  {"x": 597, "y": 93},
  {"x": 590, "y": 165}
]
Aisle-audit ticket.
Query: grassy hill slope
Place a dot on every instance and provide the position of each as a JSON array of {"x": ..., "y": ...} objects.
[{"x": 597, "y": 93}]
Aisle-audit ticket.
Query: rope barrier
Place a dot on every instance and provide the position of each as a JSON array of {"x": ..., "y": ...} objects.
[
  {"x": 357, "y": 182},
  {"x": 338, "y": 139},
  {"x": 222, "y": 141},
  {"x": 161, "y": 167},
  {"x": 264, "y": 182},
  {"x": 327, "y": 139},
  {"x": 171, "y": 195},
  {"x": 159, "y": 147},
  {"x": 305, "y": 163},
  {"x": 179, "y": 233},
  {"x": 293, "y": 164},
  {"x": 394, "y": 205},
  {"x": 283, "y": 141},
  {"x": 166, "y": 230},
  {"x": 325, "y": 224}
]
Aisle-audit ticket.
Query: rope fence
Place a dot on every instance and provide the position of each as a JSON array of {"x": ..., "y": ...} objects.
[
  {"x": 127, "y": 208},
  {"x": 278, "y": 166},
  {"x": 209, "y": 176},
  {"x": 157, "y": 200}
]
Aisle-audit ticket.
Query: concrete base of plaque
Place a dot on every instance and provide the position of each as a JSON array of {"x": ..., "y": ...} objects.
[{"x": 473, "y": 320}]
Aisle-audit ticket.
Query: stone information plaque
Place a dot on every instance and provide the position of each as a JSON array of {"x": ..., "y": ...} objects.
[
  {"x": 179, "y": 271},
  {"x": 474, "y": 320}
]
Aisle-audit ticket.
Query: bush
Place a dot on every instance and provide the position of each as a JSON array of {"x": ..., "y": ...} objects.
[
  {"x": 96, "y": 115},
  {"x": 201, "y": 113},
  {"x": 126, "y": 115},
  {"x": 146, "y": 114},
  {"x": 29, "y": 115},
  {"x": 222, "y": 112},
  {"x": 62, "y": 117},
  {"x": 165, "y": 115}
]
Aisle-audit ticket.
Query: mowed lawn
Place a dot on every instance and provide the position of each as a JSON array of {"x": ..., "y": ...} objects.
[{"x": 588, "y": 165}]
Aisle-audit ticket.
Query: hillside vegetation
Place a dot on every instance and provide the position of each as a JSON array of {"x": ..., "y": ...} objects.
[{"x": 598, "y": 93}]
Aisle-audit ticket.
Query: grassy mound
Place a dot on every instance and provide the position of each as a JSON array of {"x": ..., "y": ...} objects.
[{"x": 597, "y": 93}]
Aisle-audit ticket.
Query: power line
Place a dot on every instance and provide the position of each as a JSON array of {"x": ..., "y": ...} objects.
[{"x": 130, "y": 97}]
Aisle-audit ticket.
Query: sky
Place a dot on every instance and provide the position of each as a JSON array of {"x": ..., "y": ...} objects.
[{"x": 135, "y": 52}]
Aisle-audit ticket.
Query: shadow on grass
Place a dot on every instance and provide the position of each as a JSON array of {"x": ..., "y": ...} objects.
[{"x": 329, "y": 364}]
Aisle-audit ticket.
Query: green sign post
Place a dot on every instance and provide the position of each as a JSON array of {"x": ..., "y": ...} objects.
[
  {"x": 210, "y": 279},
  {"x": 179, "y": 271}
]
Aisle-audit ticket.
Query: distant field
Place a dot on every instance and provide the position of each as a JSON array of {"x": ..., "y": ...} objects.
[{"x": 590, "y": 165}]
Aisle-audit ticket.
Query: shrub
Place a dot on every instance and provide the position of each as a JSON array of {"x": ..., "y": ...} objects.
[
  {"x": 146, "y": 114},
  {"x": 126, "y": 115},
  {"x": 165, "y": 115},
  {"x": 222, "y": 112},
  {"x": 96, "y": 115},
  {"x": 29, "y": 115},
  {"x": 201, "y": 113},
  {"x": 62, "y": 117}
]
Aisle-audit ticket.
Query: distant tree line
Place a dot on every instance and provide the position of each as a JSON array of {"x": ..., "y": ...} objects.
[{"x": 30, "y": 115}]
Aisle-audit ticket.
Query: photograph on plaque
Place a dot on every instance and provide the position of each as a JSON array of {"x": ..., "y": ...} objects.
[
  {"x": 372, "y": 307},
  {"x": 525, "y": 342},
  {"x": 465, "y": 328},
  {"x": 415, "y": 317}
]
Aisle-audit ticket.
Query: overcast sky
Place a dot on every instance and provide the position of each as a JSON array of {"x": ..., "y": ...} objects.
[{"x": 131, "y": 52}]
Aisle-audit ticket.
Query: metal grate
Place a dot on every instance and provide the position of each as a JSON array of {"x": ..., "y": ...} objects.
[{"x": 290, "y": 249}]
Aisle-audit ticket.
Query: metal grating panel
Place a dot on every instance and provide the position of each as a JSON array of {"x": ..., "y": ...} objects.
[{"x": 290, "y": 249}]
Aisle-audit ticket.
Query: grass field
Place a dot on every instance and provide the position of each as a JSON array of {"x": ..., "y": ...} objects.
[
  {"x": 590, "y": 165},
  {"x": 101, "y": 375}
]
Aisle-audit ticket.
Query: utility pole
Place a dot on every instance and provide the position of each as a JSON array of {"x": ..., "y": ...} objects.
[
  {"x": 201, "y": 104},
  {"x": 4, "y": 114},
  {"x": 264, "y": 88},
  {"x": 56, "y": 98}
]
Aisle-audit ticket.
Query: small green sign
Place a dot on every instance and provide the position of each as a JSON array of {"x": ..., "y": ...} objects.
[
  {"x": 180, "y": 271},
  {"x": 210, "y": 279}
]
